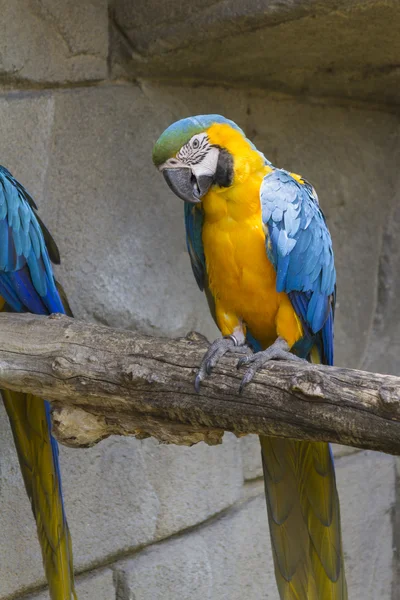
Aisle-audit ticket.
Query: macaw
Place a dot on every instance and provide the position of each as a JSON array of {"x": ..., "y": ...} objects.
[
  {"x": 27, "y": 284},
  {"x": 260, "y": 248}
]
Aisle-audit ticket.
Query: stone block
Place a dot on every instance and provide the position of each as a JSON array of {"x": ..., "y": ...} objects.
[
  {"x": 229, "y": 558},
  {"x": 251, "y": 457},
  {"x": 240, "y": 554},
  {"x": 383, "y": 352},
  {"x": 345, "y": 48},
  {"x": 192, "y": 484},
  {"x": 111, "y": 504},
  {"x": 54, "y": 41},
  {"x": 26, "y": 124},
  {"x": 366, "y": 483},
  {"x": 179, "y": 568}
]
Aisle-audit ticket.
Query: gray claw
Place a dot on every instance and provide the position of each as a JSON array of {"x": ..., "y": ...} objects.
[
  {"x": 243, "y": 361},
  {"x": 197, "y": 382},
  {"x": 278, "y": 351},
  {"x": 215, "y": 352}
]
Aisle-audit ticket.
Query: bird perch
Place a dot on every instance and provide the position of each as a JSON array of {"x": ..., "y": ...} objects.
[{"x": 104, "y": 381}]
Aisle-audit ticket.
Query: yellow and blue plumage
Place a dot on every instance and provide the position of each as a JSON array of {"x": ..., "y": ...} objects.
[
  {"x": 27, "y": 284},
  {"x": 260, "y": 248}
]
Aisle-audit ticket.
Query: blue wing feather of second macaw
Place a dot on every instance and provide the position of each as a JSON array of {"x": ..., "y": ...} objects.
[
  {"x": 27, "y": 284},
  {"x": 26, "y": 276}
]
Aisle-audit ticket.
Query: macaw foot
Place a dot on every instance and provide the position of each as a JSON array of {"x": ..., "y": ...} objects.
[
  {"x": 222, "y": 346},
  {"x": 278, "y": 351}
]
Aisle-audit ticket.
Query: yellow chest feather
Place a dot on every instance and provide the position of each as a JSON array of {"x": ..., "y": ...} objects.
[{"x": 241, "y": 278}]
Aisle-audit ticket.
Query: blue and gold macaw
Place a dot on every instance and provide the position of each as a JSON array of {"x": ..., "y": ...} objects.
[
  {"x": 260, "y": 248},
  {"x": 27, "y": 284}
]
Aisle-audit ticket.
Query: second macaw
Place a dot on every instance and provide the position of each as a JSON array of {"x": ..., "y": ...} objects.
[
  {"x": 27, "y": 284},
  {"x": 260, "y": 248}
]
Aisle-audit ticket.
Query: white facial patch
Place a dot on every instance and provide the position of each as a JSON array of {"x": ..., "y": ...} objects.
[
  {"x": 208, "y": 165},
  {"x": 199, "y": 155}
]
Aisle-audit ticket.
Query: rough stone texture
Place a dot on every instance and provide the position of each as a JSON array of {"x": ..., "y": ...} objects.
[
  {"x": 384, "y": 350},
  {"x": 192, "y": 486},
  {"x": 26, "y": 123},
  {"x": 112, "y": 506},
  {"x": 99, "y": 586},
  {"x": 177, "y": 569},
  {"x": 345, "y": 48},
  {"x": 230, "y": 558},
  {"x": 53, "y": 40},
  {"x": 239, "y": 548},
  {"x": 366, "y": 483},
  {"x": 251, "y": 457},
  {"x": 217, "y": 562},
  {"x": 123, "y": 494}
]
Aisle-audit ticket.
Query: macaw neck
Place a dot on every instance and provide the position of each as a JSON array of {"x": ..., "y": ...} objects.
[{"x": 238, "y": 202}]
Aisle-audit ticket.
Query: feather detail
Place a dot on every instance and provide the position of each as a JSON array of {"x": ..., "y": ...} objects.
[
  {"x": 301, "y": 246},
  {"x": 304, "y": 519},
  {"x": 38, "y": 457},
  {"x": 194, "y": 224},
  {"x": 27, "y": 285}
]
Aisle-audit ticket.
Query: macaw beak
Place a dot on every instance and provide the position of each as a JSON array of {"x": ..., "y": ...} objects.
[{"x": 186, "y": 185}]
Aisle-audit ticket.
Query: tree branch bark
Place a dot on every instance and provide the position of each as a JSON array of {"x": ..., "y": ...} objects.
[{"x": 103, "y": 381}]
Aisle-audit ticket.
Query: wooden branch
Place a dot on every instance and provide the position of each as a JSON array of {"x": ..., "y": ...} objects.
[{"x": 104, "y": 381}]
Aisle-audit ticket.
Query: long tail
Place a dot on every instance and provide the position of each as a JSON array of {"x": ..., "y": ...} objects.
[
  {"x": 38, "y": 457},
  {"x": 304, "y": 519}
]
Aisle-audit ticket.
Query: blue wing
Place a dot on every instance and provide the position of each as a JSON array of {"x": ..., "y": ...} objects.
[
  {"x": 27, "y": 284},
  {"x": 194, "y": 225},
  {"x": 26, "y": 277},
  {"x": 300, "y": 247}
]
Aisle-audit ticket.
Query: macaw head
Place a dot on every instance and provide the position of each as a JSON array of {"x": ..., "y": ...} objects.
[{"x": 196, "y": 153}]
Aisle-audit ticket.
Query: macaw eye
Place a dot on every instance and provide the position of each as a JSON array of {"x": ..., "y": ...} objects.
[{"x": 195, "y": 143}]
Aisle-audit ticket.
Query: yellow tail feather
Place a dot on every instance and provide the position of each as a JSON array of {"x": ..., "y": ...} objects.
[
  {"x": 30, "y": 429},
  {"x": 304, "y": 518}
]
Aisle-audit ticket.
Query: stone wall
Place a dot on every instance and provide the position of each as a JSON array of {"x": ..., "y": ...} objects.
[{"x": 78, "y": 118}]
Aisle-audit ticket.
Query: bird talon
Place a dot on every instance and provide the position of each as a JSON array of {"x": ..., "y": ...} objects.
[
  {"x": 243, "y": 361},
  {"x": 216, "y": 351},
  {"x": 197, "y": 382},
  {"x": 278, "y": 351},
  {"x": 248, "y": 376}
]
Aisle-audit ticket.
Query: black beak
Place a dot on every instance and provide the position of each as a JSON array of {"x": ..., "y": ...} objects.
[{"x": 185, "y": 185}]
